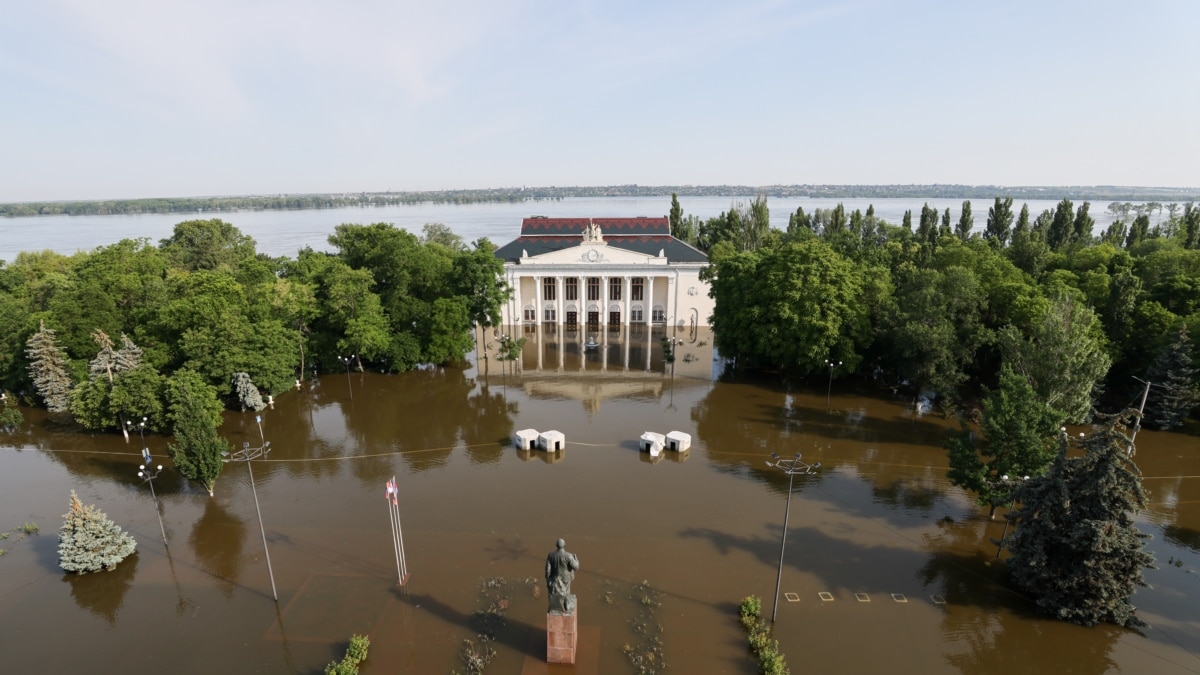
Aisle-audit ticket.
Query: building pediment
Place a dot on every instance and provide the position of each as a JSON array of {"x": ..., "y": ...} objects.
[{"x": 593, "y": 253}]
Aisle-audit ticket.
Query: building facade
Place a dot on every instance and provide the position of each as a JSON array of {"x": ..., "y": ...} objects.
[{"x": 604, "y": 271}]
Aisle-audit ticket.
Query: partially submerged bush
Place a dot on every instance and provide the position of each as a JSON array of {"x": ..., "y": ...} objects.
[
  {"x": 356, "y": 653},
  {"x": 89, "y": 542},
  {"x": 770, "y": 659}
]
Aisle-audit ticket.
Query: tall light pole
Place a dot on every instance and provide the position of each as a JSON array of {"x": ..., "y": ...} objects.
[
  {"x": 246, "y": 454},
  {"x": 791, "y": 467},
  {"x": 829, "y": 389},
  {"x": 347, "y": 360},
  {"x": 148, "y": 473}
]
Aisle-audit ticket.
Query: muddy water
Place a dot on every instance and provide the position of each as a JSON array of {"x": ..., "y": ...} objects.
[{"x": 702, "y": 530}]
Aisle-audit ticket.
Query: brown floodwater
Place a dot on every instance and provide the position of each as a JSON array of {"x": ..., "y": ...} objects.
[{"x": 668, "y": 547}]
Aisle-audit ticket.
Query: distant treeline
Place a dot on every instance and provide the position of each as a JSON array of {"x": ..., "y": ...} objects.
[
  {"x": 523, "y": 194},
  {"x": 255, "y": 203}
]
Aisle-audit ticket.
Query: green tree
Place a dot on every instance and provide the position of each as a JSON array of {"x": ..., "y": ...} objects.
[
  {"x": 48, "y": 369},
  {"x": 1139, "y": 231},
  {"x": 1063, "y": 358},
  {"x": 936, "y": 326},
  {"x": 1175, "y": 393},
  {"x": 790, "y": 306},
  {"x": 195, "y": 414},
  {"x": 965, "y": 222},
  {"x": 92, "y": 402},
  {"x": 442, "y": 235},
  {"x": 207, "y": 245},
  {"x": 1019, "y": 430},
  {"x": 449, "y": 335},
  {"x": 1061, "y": 225},
  {"x": 999, "y": 222},
  {"x": 675, "y": 218},
  {"x": 10, "y": 415},
  {"x": 89, "y": 542},
  {"x": 479, "y": 279},
  {"x": 1076, "y": 549},
  {"x": 1083, "y": 224}
]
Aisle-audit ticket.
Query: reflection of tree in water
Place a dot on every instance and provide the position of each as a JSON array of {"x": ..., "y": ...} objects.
[
  {"x": 417, "y": 413},
  {"x": 103, "y": 593},
  {"x": 903, "y": 493},
  {"x": 990, "y": 628},
  {"x": 216, "y": 540},
  {"x": 1004, "y": 643},
  {"x": 962, "y": 564},
  {"x": 488, "y": 426},
  {"x": 1182, "y": 536},
  {"x": 736, "y": 420}
]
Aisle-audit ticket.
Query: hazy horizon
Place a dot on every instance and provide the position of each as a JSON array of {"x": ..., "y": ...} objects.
[{"x": 127, "y": 100}]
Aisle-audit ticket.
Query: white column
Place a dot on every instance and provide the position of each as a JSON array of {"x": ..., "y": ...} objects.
[
  {"x": 649, "y": 316},
  {"x": 537, "y": 303},
  {"x": 515, "y": 317},
  {"x": 627, "y": 290},
  {"x": 649, "y": 344},
  {"x": 627, "y": 338},
  {"x": 672, "y": 298},
  {"x": 560, "y": 293},
  {"x": 604, "y": 304}
]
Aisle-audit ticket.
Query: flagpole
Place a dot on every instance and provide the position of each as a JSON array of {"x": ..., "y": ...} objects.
[
  {"x": 395, "y": 549},
  {"x": 400, "y": 549}
]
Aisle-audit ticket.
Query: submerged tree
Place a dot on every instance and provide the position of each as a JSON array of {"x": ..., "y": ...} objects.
[
  {"x": 1076, "y": 549},
  {"x": 10, "y": 416},
  {"x": 1019, "y": 429},
  {"x": 119, "y": 384},
  {"x": 89, "y": 542},
  {"x": 1175, "y": 396},
  {"x": 48, "y": 369},
  {"x": 197, "y": 448}
]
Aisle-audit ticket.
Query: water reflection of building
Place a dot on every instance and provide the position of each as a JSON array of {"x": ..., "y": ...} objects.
[
  {"x": 604, "y": 271},
  {"x": 626, "y": 363}
]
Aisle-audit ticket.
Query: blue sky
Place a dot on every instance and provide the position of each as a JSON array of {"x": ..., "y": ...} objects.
[{"x": 140, "y": 98}]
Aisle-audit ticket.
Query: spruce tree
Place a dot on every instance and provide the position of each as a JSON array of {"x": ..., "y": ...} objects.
[
  {"x": 48, "y": 369},
  {"x": 1174, "y": 394},
  {"x": 247, "y": 393},
  {"x": 89, "y": 542},
  {"x": 1076, "y": 549}
]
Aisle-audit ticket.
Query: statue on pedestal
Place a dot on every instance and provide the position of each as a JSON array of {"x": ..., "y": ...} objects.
[{"x": 560, "y": 572}]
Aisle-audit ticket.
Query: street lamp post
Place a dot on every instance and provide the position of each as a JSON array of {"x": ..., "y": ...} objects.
[
  {"x": 791, "y": 467},
  {"x": 141, "y": 427},
  {"x": 829, "y": 389},
  {"x": 148, "y": 473},
  {"x": 247, "y": 454},
  {"x": 347, "y": 360},
  {"x": 1011, "y": 500}
]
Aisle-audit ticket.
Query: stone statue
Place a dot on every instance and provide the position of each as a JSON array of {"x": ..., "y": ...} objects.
[
  {"x": 560, "y": 572},
  {"x": 592, "y": 232}
]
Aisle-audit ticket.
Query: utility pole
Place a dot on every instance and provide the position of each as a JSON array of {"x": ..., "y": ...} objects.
[{"x": 1138, "y": 424}]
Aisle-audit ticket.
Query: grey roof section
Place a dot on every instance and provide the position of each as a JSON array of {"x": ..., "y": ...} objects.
[{"x": 676, "y": 250}]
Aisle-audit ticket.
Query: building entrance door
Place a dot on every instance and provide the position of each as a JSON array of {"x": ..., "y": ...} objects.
[
  {"x": 572, "y": 318},
  {"x": 614, "y": 318},
  {"x": 593, "y": 318}
]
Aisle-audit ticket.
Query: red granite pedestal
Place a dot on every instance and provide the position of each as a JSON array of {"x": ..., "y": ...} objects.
[{"x": 562, "y": 633}]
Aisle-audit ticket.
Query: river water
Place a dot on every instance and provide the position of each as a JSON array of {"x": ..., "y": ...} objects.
[
  {"x": 283, "y": 233},
  {"x": 700, "y": 530}
]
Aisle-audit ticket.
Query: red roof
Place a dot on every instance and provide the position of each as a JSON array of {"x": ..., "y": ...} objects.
[{"x": 541, "y": 226}]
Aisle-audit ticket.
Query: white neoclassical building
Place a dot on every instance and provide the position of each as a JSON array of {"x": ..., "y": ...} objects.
[{"x": 604, "y": 271}]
